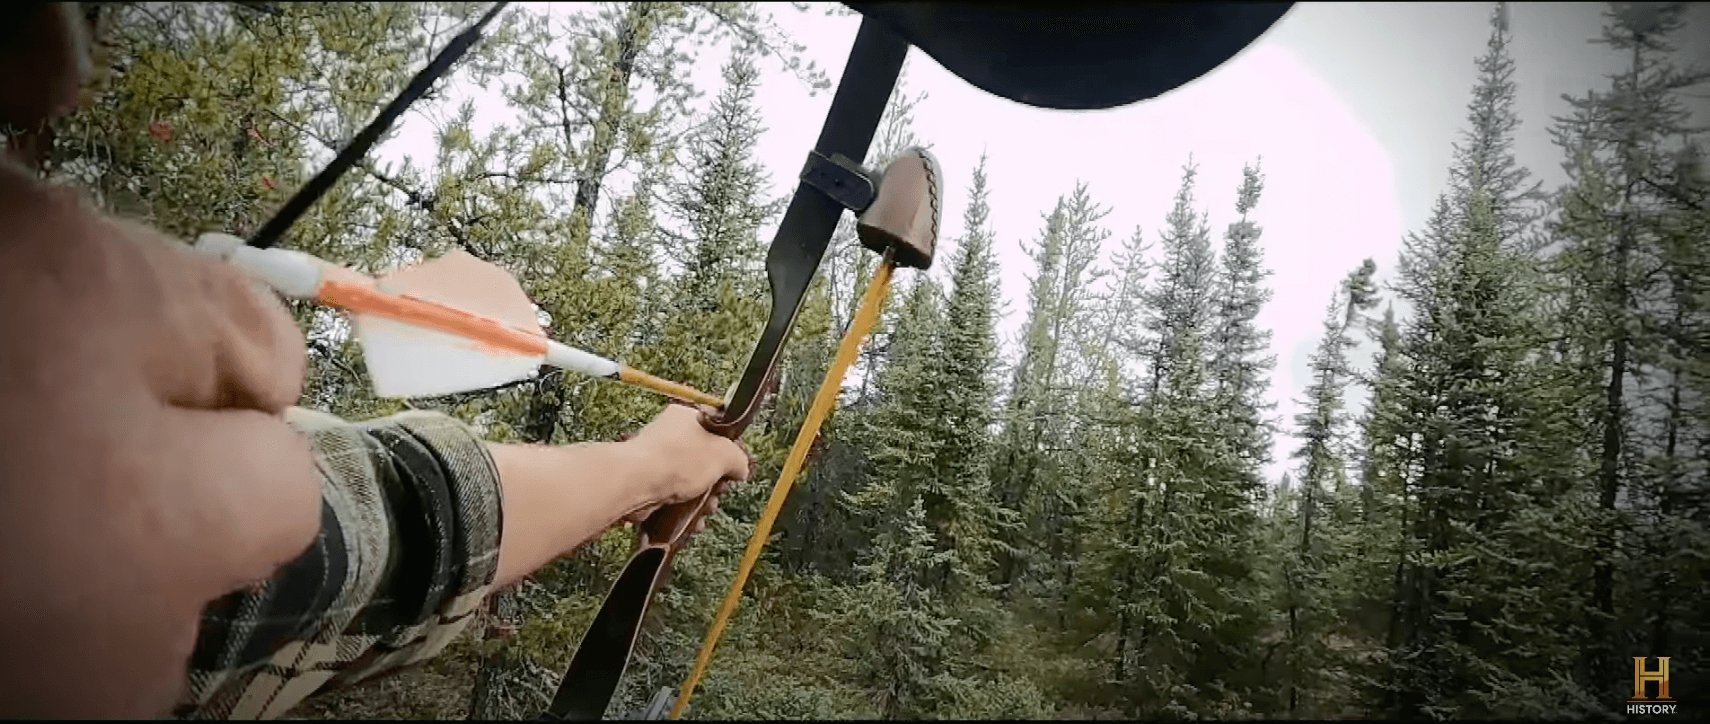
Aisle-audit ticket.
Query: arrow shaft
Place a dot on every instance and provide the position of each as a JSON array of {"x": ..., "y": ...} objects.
[{"x": 629, "y": 375}]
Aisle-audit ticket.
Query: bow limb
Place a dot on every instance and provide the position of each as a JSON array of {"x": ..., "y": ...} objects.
[
  {"x": 875, "y": 62},
  {"x": 597, "y": 667},
  {"x": 871, "y": 73}
]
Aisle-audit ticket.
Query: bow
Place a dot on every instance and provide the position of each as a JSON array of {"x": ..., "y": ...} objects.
[
  {"x": 899, "y": 215},
  {"x": 901, "y": 220}
]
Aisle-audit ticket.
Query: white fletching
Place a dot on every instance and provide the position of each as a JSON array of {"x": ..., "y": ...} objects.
[
  {"x": 411, "y": 360},
  {"x": 575, "y": 360},
  {"x": 406, "y": 360}
]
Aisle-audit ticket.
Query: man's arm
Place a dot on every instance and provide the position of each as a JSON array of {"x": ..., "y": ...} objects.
[
  {"x": 556, "y": 498},
  {"x": 421, "y": 520},
  {"x": 411, "y": 518}
]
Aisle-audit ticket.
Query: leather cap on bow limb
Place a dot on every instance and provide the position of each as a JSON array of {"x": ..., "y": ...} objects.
[{"x": 906, "y": 212}]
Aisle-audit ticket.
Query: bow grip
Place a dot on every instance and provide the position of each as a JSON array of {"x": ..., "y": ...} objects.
[{"x": 670, "y": 524}]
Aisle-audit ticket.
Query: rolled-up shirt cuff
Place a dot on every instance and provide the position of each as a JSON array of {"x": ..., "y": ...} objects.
[{"x": 408, "y": 548}]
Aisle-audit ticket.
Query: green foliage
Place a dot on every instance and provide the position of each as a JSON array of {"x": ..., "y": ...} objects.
[
  {"x": 1076, "y": 526},
  {"x": 964, "y": 394},
  {"x": 1627, "y": 279},
  {"x": 1319, "y": 535},
  {"x": 1030, "y": 476},
  {"x": 1469, "y": 387}
]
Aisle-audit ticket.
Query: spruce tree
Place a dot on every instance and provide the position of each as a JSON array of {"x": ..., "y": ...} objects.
[
  {"x": 1239, "y": 365},
  {"x": 902, "y": 443},
  {"x": 1161, "y": 508},
  {"x": 1178, "y": 535},
  {"x": 1481, "y": 573},
  {"x": 1383, "y": 506},
  {"x": 1018, "y": 460},
  {"x": 966, "y": 392},
  {"x": 1039, "y": 420},
  {"x": 1310, "y": 599},
  {"x": 716, "y": 310},
  {"x": 1631, "y": 280}
]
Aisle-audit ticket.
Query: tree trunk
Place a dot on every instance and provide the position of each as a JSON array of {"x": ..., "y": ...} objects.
[
  {"x": 496, "y": 666},
  {"x": 1609, "y": 464}
]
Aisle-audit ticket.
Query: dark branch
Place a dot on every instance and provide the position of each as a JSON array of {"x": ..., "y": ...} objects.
[
  {"x": 1673, "y": 193},
  {"x": 265, "y": 8}
]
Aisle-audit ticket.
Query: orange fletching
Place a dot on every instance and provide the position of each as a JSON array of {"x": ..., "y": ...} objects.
[{"x": 367, "y": 300}]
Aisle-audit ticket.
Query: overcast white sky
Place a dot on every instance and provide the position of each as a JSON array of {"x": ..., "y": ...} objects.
[{"x": 1353, "y": 107}]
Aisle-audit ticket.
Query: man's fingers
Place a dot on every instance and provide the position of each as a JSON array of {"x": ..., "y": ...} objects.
[
  {"x": 640, "y": 515},
  {"x": 261, "y": 359},
  {"x": 264, "y": 360},
  {"x": 706, "y": 514},
  {"x": 738, "y": 465}
]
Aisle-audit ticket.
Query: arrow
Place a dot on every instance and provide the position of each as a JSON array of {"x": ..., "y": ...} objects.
[{"x": 452, "y": 324}]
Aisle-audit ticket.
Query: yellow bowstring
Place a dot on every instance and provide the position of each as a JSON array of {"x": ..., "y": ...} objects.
[{"x": 865, "y": 317}]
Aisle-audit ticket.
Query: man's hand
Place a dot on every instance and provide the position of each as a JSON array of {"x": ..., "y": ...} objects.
[
  {"x": 558, "y": 498},
  {"x": 687, "y": 460},
  {"x": 147, "y": 467}
]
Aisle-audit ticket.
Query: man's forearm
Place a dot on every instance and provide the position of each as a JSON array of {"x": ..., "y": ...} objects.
[{"x": 546, "y": 515}]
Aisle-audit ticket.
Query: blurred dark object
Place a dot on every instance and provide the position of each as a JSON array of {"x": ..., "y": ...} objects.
[
  {"x": 44, "y": 58},
  {"x": 264, "y": 8},
  {"x": 1078, "y": 55}
]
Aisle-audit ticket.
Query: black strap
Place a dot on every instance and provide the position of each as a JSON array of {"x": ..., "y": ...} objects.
[{"x": 875, "y": 61}]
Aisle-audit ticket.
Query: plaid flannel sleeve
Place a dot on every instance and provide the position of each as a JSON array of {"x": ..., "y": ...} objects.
[{"x": 409, "y": 542}]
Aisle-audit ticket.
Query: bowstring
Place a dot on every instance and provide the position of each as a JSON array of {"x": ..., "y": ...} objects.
[{"x": 359, "y": 146}]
